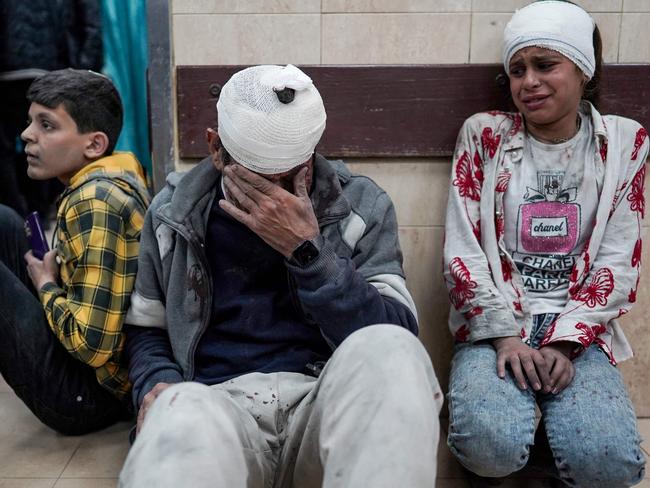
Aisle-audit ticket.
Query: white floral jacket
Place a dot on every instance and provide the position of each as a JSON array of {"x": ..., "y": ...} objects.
[{"x": 485, "y": 288}]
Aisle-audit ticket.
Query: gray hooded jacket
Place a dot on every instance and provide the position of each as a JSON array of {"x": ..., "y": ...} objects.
[{"x": 356, "y": 280}]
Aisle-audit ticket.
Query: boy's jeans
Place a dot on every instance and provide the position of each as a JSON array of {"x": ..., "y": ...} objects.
[
  {"x": 60, "y": 390},
  {"x": 591, "y": 425},
  {"x": 369, "y": 420}
]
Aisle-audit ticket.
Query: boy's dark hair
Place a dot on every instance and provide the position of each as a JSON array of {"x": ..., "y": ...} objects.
[{"x": 90, "y": 99}]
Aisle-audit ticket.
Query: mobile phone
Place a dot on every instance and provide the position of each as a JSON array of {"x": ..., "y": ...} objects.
[{"x": 35, "y": 235}]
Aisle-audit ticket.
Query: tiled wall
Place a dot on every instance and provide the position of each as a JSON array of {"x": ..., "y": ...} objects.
[{"x": 403, "y": 32}]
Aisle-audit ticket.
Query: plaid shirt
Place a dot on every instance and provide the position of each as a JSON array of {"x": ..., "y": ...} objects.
[{"x": 99, "y": 219}]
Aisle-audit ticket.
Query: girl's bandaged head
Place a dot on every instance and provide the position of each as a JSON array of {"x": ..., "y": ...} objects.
[
  {"x": 270, "y": 118},
  {"x": 556, "y": 25}
]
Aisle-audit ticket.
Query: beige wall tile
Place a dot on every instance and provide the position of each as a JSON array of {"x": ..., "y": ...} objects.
[
  {"x": 636, "y": 6},
  {"x": 397, "y": 5},
  {"x": 246, "y": 39},
  {"x": 418, "y": 188},
  {"x": 610, "y": 29},
  {"x": 395, "y": 38},
  {"x": 29, "y": 449},
  {"x": 422, "y": 248},
  {"x": 498, "y": 5},
  {"x": 86, "y": 483},
  {"x": 245, "y": 6},
  {"x": 511, "y": 5},
  {"x": 635, "y": 39},
  {"x": 27, "y": 483},
  {"x": 601, "y": 5},
  {"x": 487, "y": 37},
  {"x": 100, "y": 455}
]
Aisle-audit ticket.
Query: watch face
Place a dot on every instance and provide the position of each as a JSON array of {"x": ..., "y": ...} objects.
[{"x": 305, "y": 253}]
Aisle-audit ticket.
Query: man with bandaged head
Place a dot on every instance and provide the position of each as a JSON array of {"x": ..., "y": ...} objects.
[{"x": 271, "y": 336}]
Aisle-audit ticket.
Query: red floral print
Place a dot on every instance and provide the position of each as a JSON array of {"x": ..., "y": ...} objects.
[
  {"x": 517, "y": 305},
  {"x": 603, "y": 151},
  {"x": 636, "y": 198},
  {"x": 489, "y": 142},
  {"x": 503, "y": 179},
  {"x": 589, "y": 334},
  {"x": 638, "y": 142},
  {"x": 549, "y": 334},
  {"x": 463, "y": 284},
  {"x": 505, "y": 269},
  {"x": 473, "y": 313},
  {"x": 462, "y": 334},
  {"x": 636, "y": 255},
  {"x": 522, "y": 333},
  {"x": 500, "y": 225},
  {"x": 632, "y": 296},
  {"x": 468, "y": 185},
  {"x": 598, "y": 289},
  {"x": 477, "y": 230},
  {"x": 478, "y": 168}
]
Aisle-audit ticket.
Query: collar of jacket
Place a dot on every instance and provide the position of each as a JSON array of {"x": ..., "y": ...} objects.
[
  {"x": 195, "y": 190},
  {"x": 516, "y": 140},
  {"x": 118, "y": 162},
  {"x": 121, "y": 167}
]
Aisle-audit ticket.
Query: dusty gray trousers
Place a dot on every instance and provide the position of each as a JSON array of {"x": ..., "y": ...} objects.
[{"x": 369, "y": 420}]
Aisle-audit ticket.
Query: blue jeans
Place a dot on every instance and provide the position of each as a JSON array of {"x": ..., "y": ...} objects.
[
  {"x": 60, "y": 390},
  {"x": 590, "y": 426}
]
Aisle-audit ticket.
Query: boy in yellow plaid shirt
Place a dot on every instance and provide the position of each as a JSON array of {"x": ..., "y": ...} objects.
[{"x": 62, "y": 346}]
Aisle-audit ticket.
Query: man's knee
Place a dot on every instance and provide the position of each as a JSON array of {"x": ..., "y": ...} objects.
[
  {"x": 388, "y": 363},
  {"x": 191, "y": 412},
  {"x": 375, "y": 344}
]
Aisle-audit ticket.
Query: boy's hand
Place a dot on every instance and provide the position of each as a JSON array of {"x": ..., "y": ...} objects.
[
  {"x": 525, "y": 362},
  {"x": 283, "y": 220},
  {"x": 41, "y": 272}
]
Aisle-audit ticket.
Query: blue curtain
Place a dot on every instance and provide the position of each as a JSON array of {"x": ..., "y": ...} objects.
[{"x": 124, "y": 24}]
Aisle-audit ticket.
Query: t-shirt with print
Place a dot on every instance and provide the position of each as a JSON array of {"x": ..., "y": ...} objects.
[{"x": 550, "y": 207}]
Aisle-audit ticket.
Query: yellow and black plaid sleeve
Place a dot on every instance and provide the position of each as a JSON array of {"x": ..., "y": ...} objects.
[{"x": 98, "y": 246}]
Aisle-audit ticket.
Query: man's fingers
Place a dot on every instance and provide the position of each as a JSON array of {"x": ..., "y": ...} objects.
[
  {"x": 300, "y": 184},
  {"x": 257, "y": 182},
  {"x": 239, "y": 195},
  {"x": 531, "y": 372},
  {"x": 236, "y": 213}
]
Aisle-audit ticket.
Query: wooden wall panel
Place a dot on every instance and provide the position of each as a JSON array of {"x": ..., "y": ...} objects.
[{"x": 394, "y": 111}]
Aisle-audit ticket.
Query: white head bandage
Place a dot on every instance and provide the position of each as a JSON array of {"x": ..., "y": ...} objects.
[
  {"x": 556, "y": 25},
  {"x": 261, "y": 132}
]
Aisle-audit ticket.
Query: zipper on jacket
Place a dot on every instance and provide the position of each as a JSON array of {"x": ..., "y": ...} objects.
[{"x": 198, "y": 249}]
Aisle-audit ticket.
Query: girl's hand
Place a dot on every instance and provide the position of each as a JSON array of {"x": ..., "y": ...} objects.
[
  {"x": 525, "y": 362},
  {"x": 562, "y": 371}
]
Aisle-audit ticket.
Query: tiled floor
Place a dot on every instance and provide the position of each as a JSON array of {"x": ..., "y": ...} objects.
[{"x": 32, "y": 456}]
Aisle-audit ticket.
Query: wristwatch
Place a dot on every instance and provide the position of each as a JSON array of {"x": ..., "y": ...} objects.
[{"x": 306, "y": 252}]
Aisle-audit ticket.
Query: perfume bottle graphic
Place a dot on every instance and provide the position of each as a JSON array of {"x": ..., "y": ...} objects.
[{"x": 549, "y": 223}]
